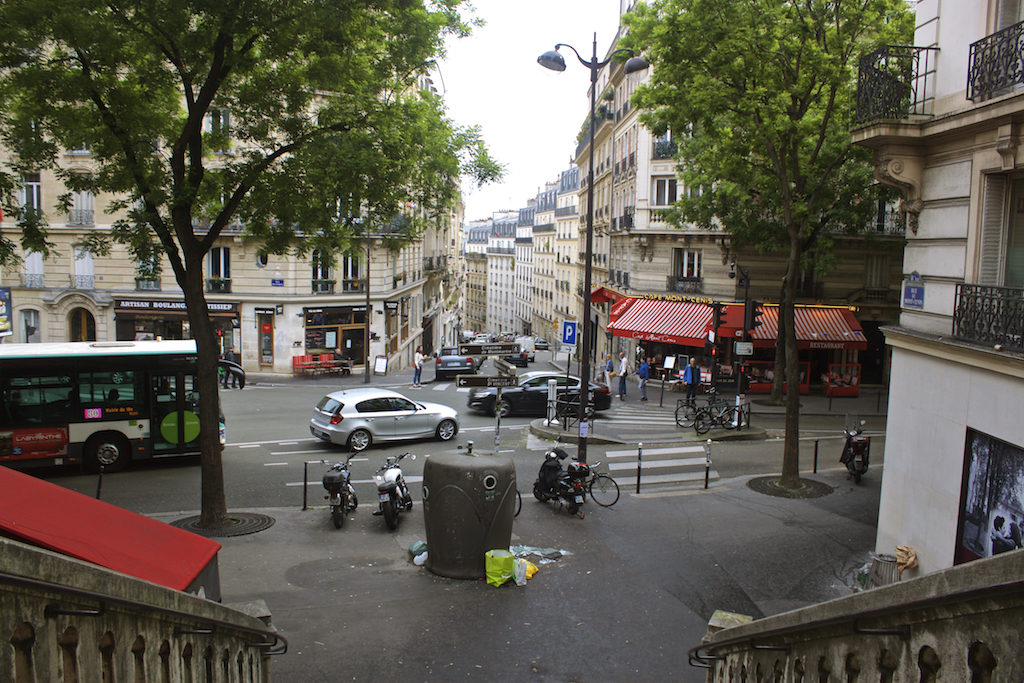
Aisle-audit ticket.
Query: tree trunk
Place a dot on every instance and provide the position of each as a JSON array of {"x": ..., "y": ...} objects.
[
  {"x": 213, "y": 507},
  {"x": 779, "y": 378},
  {"x": 791, "y": 448}
]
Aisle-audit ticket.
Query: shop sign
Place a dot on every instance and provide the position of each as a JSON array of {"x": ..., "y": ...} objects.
[
  {"x": 743, "y": 348},
  {"x": 390, "y": 305},
  {"x": 263, "y": 311},
  {"x": 159, "y": 305},
  {"x": 678, "y": 297}
]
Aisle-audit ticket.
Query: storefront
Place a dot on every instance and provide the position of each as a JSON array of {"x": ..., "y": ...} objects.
[
  {"x": 336, "y": 329},
  {"x": 141, "y": 319},
  {"x": 828, "y": 337}
]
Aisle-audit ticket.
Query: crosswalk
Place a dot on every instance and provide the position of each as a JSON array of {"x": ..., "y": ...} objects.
[{"x": 668, "y": 465}]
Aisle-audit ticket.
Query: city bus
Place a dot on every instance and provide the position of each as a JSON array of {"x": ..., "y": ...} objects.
[{"x": 101, "y": 404}]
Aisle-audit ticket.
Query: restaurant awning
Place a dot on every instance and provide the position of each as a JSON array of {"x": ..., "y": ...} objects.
[
  {"x": 672, "y": 322},
  {"x": 817, "y": 327}
]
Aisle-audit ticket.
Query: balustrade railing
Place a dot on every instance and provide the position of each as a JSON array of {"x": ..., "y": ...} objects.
[
  {"x": 83, "y": 281},
  {"x": 689, "y": 285},
  {"x": 991, "y": 316},
  {"x": 994, "y": 63},
  {"x": 322, "y": 286},
  {"x": 664, "y": 149},
  {"x": 893, "y": 83}
]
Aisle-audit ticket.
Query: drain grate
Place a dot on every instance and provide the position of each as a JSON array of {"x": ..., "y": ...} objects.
[
  {"x": 236, "y": 524},
  {"x": 808, "y": 488}
]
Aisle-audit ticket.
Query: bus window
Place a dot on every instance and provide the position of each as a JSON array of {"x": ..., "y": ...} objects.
[{"x": 36, "y": 401}]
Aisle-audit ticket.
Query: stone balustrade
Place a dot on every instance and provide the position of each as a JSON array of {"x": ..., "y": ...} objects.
[
  {"x": 958, "y": 624},
  {"x": 67, "y": 620}
]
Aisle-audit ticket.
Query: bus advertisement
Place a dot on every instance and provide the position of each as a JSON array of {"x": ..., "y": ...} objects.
[{"x": 102, "y": 404}]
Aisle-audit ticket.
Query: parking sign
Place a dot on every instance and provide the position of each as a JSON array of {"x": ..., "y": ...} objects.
[{"x": 569, "y": 332}]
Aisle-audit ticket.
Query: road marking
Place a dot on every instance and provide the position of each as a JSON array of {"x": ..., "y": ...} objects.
[
  {"x": 410, "y": 480},
  {"x": 243, "y": 444},
  {"x": 680, "y": 492},
  {"x": 296, "y": 452},
  {"x": 287, "y": 443},
  {"x": 656, "y": 451},
  {"x": 654, "y": 464},
  {"x": 251, "y": 445},
  {"x": 442, "y": 387},
  {"x": 275, "y": 464},
  {"x": 665, "y": 478}
]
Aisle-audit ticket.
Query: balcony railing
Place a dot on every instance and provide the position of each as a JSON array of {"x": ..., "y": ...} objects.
[
  {"x": 83, "y": 281},
  {"x": 664, "y": 149},
  {"x": 322, "y": 286},
  {"x": 690, "y": 285},
  {"x": 994, "y": 63},
  {"x": 990, "y": 316},
  {"x": 33, "y": 280},
  {"x": 143, "y": 284},
  {"x": 80, "y": 217},
  {"x": 893, "y": 83},
  {"x": 352, "y": 285},
  {"x": 565, "y": 211},
  {"x": 220, "y": 285}
]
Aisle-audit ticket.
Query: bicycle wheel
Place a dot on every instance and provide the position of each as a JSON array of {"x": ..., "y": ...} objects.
[
  {"x": 702, "y": 421},
  {"x": 684, "y": 415},
  {"x": 603, "y": 490},
  {"x": 730, "y": 418}
]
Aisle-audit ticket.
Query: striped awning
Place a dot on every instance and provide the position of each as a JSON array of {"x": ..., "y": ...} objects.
[
  {"x": 817, "y": 327},
  {"x": 672, "y": 322}
]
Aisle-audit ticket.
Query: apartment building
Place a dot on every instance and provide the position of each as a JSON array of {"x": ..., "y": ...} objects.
[
  {"x": 476, "y": 235},
  {"x": 544, "y": 285},
  {"x": 944, "y": 118},
  {"x": 501, "y": 257},
  {"x": 568, "y": 277},
  {"x": 524, "y": 269}
]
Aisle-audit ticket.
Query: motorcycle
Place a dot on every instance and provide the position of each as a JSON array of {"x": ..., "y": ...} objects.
[
  {"x": 555, "y": 484},
  {"x": 392, "y": 491},
  {"x": 340, "y": 494},
  {"x": 856, "y": 451}
]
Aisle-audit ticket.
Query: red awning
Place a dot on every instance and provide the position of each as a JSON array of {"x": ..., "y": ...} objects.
[
  {"x": 817, "y": 327},
  {"x": 49, "y": 516},
  {"x": 603, "y": 294},
  {"x": 672, "y": 322}
]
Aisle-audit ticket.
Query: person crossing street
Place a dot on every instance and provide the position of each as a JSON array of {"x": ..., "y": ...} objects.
[
  {"x": 623, "y": 371},
  {"x": 644, "y": 373}
]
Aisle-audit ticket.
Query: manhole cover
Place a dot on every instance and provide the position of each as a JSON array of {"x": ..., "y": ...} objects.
[
  {"x": 236, "y": 524},
  {"x": 808, "y": 488}
]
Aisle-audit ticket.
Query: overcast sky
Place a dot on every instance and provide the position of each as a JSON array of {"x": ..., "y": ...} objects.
[{"x": 529, "y": 115}]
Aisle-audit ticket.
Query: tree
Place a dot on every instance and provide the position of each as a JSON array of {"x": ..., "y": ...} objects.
[
  {"x": 759, "y": 94},
  {"x": 294, "y": 116}
]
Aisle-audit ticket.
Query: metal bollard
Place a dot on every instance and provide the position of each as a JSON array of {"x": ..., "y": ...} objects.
[
  {"x": 99, "y": 483},
  {"x": 707, "y": 462},
  {"x": 305, "y": 479},
  {"x": 815, "y": 456},
  {"x": 639, "y": 460}
]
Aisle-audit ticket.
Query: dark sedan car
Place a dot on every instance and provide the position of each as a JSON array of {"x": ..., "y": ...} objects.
[
  {"x": 541, "y": 344},
  {"x": 530, "y": 396},
  {"x": 449, "y": 364}
]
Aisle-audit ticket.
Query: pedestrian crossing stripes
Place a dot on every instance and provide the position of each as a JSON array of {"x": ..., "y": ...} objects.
[{"x": 659, "y": 466}]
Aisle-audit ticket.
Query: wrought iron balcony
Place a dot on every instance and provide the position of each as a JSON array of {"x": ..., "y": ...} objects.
[
  {"x": 83, "y": 281},
  {"x": 220, "y": 285},
  {"x": 994, "y": 63},
  {"x": 690, "y": 285},
  {"x": 352, "y": 285},
  {"x": 664, "y": 149},
  {"x": 322, "y": 286},
  {"x": 892, "y": 83},
  {"x": 80, "y": 217},
  {"x": 143, "y": 284},
  {"x": 33, "y": 280},
  {"x": 990, "y": 316}
]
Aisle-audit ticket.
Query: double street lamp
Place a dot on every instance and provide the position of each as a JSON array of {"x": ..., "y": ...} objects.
[{"x": 554, "y": 61}]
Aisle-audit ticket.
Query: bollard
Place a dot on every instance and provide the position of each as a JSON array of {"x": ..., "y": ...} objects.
[
  {"x": 639, "y": 461},
  {"x": 707, "y": 462},
  {"x": 99, "y": 483},
  {"x": 305, "y": 479},
  {"x": 815, "y": 456}
]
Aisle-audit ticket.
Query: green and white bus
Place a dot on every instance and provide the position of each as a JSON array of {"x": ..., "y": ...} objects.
[{"x": 98, "y": 403}]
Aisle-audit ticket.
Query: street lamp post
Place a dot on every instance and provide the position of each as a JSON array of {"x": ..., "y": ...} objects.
[{"x": 554, "y": 61}]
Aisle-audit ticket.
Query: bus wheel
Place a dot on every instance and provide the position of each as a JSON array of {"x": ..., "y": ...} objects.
[{"x": 109, "y": 449}]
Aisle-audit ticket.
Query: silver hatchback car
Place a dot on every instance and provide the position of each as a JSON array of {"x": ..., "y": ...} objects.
[{"x": 358, "y": 417}]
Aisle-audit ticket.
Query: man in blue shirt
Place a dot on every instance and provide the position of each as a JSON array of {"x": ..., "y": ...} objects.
[
  {"x": 644, "y": 373},
  {"x": 691, "y": 377}
]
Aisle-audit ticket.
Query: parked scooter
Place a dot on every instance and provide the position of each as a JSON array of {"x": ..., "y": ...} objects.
[
  {"x": 392, "y": 491},
  {"x": 340, "y": 493},
  {"x": 555, "y": 484},
  {"x": 856, "y": 451}
]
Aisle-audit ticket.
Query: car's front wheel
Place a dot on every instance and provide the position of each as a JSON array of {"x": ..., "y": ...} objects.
[{"x": 505, "y": 407}]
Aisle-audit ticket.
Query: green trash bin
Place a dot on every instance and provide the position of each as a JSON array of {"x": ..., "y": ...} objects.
[{"x": 468, "y": 507}]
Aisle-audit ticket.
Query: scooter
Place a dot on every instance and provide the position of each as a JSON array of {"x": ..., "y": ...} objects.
[
  {"x": 856, "y": 451},
  {"x": 555, "y": 484},
  {"x": 392, "y": 491},
  {"x": 340, "y": 493}
]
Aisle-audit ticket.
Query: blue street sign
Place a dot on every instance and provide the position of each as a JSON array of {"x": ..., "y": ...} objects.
[{"x": 569, "y": 332}]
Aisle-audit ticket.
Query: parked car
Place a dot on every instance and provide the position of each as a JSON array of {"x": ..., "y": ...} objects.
[
  {"x": 357, "y": 418},
  {"x": 449, "y": 363},
  {"x": 522, "y": 359},
  {"x": 540, "y": 343},
  {"x": 530, "y": 396}
]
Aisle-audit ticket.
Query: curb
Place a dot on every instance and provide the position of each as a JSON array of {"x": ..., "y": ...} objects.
[{"x": 538, "y": 428}]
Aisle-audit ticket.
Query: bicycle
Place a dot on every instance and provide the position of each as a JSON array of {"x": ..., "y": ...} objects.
[
  {"x": 728, "y": 418},
  {"x": 607, "y": 489},
  {"x": 687, "y": 409}
]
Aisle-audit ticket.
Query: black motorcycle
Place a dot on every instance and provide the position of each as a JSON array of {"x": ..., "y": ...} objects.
[
  {"x": 856, "y": 451},
  {"x": 565, "y": 486},
  {"x": 340, "y": 494}
]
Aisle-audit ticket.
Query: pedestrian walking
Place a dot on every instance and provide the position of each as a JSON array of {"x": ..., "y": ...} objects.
[
  {"x": 609, "y": 370},
  {"x": 644, "y": 373},
  {"x": 691, "y": 377},
  {"x": 229, "y": 355},
  {"x": 417, "y": 367},
  {"x": 623, "y": 371}
]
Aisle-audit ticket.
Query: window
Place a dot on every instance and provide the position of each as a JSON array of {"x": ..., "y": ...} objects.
[
  {"x": 664, "y": 191},
  {"x": 217, "y": 124},
  {"x": 32, "y": 192},
  {"x": 84, "y": 275},
  {"x": 33, "y": 269},
  {"x": 687, "y": 263},
  {"x": 321, "y": 266},
  {"x": 81, "y": 325},
  {"x": 262, "y": 259},
  {"x": 81, "y": 208},
  {"x": 1002, "y": 233},
  {"x": 30, "y": 327},
  {"x": 220, "y": 262},
  {"x": 876, "y": 271}
]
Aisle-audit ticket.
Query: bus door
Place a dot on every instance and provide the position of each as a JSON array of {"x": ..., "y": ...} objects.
[{"x": 175, "y": 423}]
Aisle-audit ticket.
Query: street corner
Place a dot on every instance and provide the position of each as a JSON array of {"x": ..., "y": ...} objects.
[{"x": 554, "y": 432}]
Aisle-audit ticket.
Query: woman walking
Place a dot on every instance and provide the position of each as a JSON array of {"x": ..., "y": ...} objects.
[{"x": 417, "y": 367}]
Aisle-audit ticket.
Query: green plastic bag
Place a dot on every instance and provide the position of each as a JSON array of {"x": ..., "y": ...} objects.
[{"x": 499, "y": 564}]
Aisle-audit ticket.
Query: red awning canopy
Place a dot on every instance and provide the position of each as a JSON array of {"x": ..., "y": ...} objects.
[
  {"x": 817, "y": 327},
  {"x": 603, "y": 294},
  {"x": 49, "y": 516},
  {"x": 672, "y": 322}
]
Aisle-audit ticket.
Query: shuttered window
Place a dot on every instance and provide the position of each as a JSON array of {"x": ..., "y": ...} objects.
[{"x": 992, "y": 227}]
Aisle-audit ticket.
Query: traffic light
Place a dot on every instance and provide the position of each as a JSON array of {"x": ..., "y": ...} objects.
[
  {"x": 716, "y": 319},
  {"x": 750, "y": 316}
]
